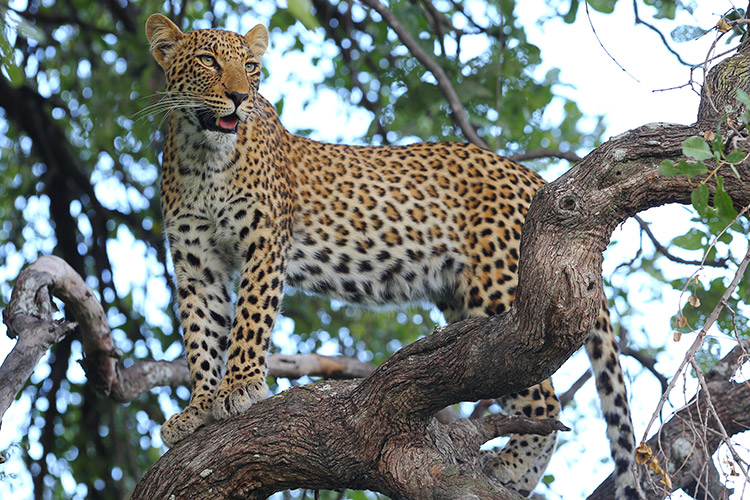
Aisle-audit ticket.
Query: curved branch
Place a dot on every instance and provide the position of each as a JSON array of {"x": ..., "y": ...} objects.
[
  {"x": 29, "y": 318},
  {"x": 665, "y": 251}
]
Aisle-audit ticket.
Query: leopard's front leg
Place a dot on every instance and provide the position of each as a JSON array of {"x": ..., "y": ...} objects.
[
  {"x": 204, "y": 281},
  {"x": 258, "y": 303}
]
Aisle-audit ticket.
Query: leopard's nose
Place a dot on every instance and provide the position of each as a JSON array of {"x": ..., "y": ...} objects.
[{"x": 237, "y": 97}]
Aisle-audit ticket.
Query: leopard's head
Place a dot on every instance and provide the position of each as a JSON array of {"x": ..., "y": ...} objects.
[{"x": 212, "y": 75}]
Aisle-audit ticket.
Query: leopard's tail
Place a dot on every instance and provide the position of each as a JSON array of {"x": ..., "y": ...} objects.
[{"x": 603, "y": 353}]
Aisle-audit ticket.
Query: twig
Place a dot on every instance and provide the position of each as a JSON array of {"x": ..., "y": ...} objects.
[
  {"x": 699, "y": 338},
  {"x": 601, "y": 44},
  {"x": 656, "y": 30},
  {"x": 664, "y": 251},
  {"x": 567, "y": 396},
  {"x": 546, "y": 153},
  {"x": 444, "y": 83},
  {"x": 648, "y": 362}
]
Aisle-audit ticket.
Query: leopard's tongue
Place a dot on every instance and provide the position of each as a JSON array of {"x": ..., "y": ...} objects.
[{"x": 228, "y": 122}]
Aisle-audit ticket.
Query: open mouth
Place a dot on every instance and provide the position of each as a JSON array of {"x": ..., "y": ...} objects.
[{"x": 226, "y": 124}]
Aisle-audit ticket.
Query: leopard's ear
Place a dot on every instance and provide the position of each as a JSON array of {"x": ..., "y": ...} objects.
[
  {"x": 257, "y": 40},
  {"x": 163, "y": 35}
]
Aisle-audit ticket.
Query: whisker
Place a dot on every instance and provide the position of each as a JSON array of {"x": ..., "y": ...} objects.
[{"x": 169, "y": 101}]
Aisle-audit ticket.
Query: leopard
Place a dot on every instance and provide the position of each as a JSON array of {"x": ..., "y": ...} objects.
[{"x": 250, "y": 208}]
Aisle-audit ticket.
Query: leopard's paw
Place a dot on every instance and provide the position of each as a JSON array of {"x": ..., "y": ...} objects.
[
  {"x": 233, "y": 400},
  {"x": 181, "y": 425}
]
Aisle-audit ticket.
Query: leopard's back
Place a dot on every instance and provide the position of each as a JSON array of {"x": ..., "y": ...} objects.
[{"x": 396, "y": 224}]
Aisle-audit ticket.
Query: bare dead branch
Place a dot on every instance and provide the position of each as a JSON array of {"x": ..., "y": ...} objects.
[{"x": 29, "y": 318}]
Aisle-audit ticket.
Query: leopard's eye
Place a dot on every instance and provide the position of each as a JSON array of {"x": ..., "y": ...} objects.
[
  {"x": 209, "y": 61},
  {"x": 250, "y": 67}
]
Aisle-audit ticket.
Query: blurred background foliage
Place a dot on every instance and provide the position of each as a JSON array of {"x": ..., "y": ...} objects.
[{"x": 79, "y": 170}]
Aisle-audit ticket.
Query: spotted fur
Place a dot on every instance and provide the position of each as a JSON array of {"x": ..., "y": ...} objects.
[{"x": 439, "y": 222}]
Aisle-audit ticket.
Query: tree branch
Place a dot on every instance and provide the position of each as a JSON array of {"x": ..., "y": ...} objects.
[
  {"x": 29, "y": 317},
  {"x": 665, "y": 251},
  {"x": 444, "y": 82},
  {"x": 678, "y": 443},
  {"x": 567, "y": 396},
  {"x": 546, "y": 153}
]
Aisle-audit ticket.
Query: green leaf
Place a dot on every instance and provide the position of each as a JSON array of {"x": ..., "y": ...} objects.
[
  {"x": 686, "y": 33},
  {"x": 696, "y": 148},
  {"x": 603, "y": 6},
  {"x": 743, "y": 97},
  {"x": 735, "y": 156},
  {"x": 694, "y": 239},
  {"x": 699, "y": 197},
  {"x": 668, "y": 169},
  {"x": 11, "y": 71},
  {"x": 723, "y": 202},
  {"x": 570, "y": 17}
]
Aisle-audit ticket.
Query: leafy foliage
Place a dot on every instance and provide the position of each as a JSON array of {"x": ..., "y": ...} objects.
[{"x": 716, "y": 223}]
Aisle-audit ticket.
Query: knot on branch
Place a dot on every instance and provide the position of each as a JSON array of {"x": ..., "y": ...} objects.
[{"x": 567, "y": 203}]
